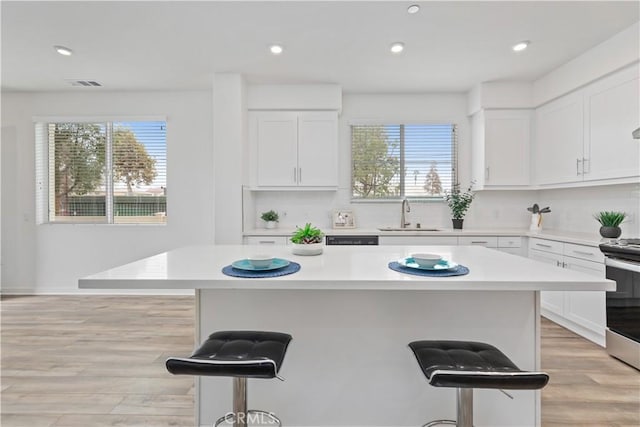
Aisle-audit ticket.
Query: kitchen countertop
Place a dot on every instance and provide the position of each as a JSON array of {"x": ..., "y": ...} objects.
[
  {"x": 588, "y": 239},
  {"x": 342, "y": 268}
]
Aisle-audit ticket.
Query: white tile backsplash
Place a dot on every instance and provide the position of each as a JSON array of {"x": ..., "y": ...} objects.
[{"x": 572, "y": 209}]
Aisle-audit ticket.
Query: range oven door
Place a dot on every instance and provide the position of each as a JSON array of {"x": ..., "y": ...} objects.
[
  {"x": 623, "y": 304},
  {"x": 623, "y": 312}
]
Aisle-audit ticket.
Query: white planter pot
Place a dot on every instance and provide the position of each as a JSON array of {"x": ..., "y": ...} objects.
[
  {"x": 271, "y": 224},
  {"x": 308, "y": 249}
]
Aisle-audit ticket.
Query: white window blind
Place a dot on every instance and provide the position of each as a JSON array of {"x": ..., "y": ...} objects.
[
  {"x": 403, "y": 160},
  {"x": 101, "y": 172}
]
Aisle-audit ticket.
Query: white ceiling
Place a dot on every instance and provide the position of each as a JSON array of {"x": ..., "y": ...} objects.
[{"x": 450, "y": 46}]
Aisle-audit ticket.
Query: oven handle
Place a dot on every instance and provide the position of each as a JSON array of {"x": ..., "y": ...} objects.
[{"x": 622, "y": 265}]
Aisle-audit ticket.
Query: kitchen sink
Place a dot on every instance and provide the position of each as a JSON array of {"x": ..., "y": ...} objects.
[{"x": 408, "y": 229}]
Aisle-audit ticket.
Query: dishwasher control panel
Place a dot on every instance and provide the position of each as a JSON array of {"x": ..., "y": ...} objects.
[{"x": 352, "y": 240}]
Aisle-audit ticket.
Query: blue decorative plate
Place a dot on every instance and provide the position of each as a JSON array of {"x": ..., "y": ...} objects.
[
  {"x": 441, "y": 265},
  {"x": 244, "y": 264}
]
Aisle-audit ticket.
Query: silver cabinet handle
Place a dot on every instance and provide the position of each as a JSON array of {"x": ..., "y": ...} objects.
[
  {"x": 584, "y": 163},
  {"x": 294, "y": 175},
  {"x": 299, "y": 175},
  {"x": 543, "y": 245},
  {"x": 583, "y": 253},
  {"x": 557, "y": 263},
  {"x": 578, "y": 161},
  {"x": 267, "y": 242},
  {"x": 486, "y": 173},
  {"x": 478, "y": 241}
]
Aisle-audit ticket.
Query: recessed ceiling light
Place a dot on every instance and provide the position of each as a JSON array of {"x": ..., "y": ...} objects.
[
  {"x": 519, "y": 47},
  {"x": 397, "y": 47},
  {"x": 63, "y": 50},
  {"x": 414, "y": 8},
  {"x": 276, "y": 49}
]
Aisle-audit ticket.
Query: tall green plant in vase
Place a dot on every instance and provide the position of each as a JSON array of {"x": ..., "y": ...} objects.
[{"x": 459, "y": 203}]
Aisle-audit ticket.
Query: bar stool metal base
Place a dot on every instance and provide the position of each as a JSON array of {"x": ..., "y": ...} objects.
[
  {"x": 464, "y": 409},
  {"x": 240, "y": 416}
]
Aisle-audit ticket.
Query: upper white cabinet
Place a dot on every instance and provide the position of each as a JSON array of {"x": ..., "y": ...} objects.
[
  {"x": 500, "y": 149},
  {"x": 586, "y": 135},
  {"x": 294, "y": 149},
  {"x": 558, "y": 151},
  {"x": 612, "y": 111}
]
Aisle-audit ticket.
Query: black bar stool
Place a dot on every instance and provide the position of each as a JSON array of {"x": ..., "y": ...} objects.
[
  {"x": 237, "y": 354},
  {"x": 467, "y": 365}
]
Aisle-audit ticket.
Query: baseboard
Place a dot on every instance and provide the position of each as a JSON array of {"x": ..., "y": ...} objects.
[
  {"x": 79, "y": 292},
  {"x": 574, "y": 327}
]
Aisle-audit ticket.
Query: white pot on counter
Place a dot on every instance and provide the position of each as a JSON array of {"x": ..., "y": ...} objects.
[{"x": 307, "y": 249}]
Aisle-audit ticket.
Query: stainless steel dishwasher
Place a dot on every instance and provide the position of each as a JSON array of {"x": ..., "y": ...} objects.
[{"x": 344, "y": 240}]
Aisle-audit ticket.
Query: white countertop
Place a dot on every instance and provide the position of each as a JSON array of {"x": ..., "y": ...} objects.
[
  {"x": 588, "y": 239},
  {"x": 378, "y": 232},
  {"x": 343, "y": 268}
]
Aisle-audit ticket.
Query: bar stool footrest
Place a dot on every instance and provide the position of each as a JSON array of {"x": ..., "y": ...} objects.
[
  {"x": 440, "y": 422},
  {"x": 231, "y": 417}
]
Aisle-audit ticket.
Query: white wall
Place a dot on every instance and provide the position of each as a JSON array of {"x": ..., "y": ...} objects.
[
  {"x": 611, "y": 55},
  {"x": 229, "y": 140},
  {"x": 491, "y": 209},
  {"x": 50, "y": 258},
  {"x": 572, "y": 209}
]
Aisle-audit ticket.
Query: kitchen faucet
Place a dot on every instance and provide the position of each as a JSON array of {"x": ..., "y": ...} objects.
[{"x": 405, "y": 208}]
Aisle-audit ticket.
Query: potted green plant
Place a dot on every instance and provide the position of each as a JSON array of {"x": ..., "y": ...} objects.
[
  {"x": 270, "y": 218},
  {"x": 610, "y": 223},
  {"x": 307, "y": 240},
  {"x": 459, "y": 202}
]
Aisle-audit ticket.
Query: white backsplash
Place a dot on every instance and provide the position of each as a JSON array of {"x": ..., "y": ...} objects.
[{"x": 572, "y": 209}]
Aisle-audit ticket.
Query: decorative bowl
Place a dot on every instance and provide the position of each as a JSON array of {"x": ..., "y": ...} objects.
[
  {"x": 260, "y": 261},
  {"x": 426, "y": 260}
]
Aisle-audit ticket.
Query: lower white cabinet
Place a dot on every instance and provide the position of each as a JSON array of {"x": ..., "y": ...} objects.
[
  {"x": 582, "y": 312},
  {"x": 266, "y": 240},
  {"x": 418, "y": 240}
]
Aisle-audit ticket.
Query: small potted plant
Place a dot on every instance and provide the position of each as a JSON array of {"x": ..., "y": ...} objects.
[
  {"x": 270, "y": 218},
  {"x": 459, "y": 202},
  {"x": 307, "y": 240},
  {"x": 610, "y": 222}
]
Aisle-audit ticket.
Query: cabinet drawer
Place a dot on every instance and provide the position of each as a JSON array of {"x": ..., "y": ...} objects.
[
  {"x": 583, "y": 252},
  {"x": 265, "y": 240},
  {"x": 509, "y": 241},
  {"x": 546, "y": 245},
  {"x": 486, "y": 241},
  {"x": 589, "y": 267},
  {"x": 418, "y": 240}
]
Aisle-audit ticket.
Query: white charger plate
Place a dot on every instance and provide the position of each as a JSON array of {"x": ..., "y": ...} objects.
[{"x": 441, "y": 265}]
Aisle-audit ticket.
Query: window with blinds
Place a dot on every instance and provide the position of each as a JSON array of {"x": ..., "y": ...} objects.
[
  {"x": 101, "y": 172},
  {"x": 398, "y": 161}
]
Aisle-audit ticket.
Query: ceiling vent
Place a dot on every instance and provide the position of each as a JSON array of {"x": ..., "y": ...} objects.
[{"x": 85, "y": 83}]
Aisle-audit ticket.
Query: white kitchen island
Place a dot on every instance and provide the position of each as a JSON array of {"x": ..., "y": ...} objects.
[{"x": 352, "y": 317}]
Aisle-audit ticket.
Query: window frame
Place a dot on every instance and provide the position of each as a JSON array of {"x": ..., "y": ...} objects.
[
  {"x": 44, "y": 164},
  {"x": 426, "y": 199}
]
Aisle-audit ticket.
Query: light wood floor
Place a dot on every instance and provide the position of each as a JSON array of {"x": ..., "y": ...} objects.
[{"x": 92, "y": 361}]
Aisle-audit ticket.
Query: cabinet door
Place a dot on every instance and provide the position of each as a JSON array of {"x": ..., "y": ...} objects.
[
  {"x": 550, "y": 300},
  {"x": 277, "y": 136},
  {"x": 266, "y": 240},
  {"x": 486, "y": 241},
  {"x": 559, "y": 141},
  {"x": 318, "y": 149},
  {"x": 418, "y": 240},
  {"x": 507, "y": 148},
  {"x": 612, "y": 111},
  {"x": 587, "y": 309}
]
